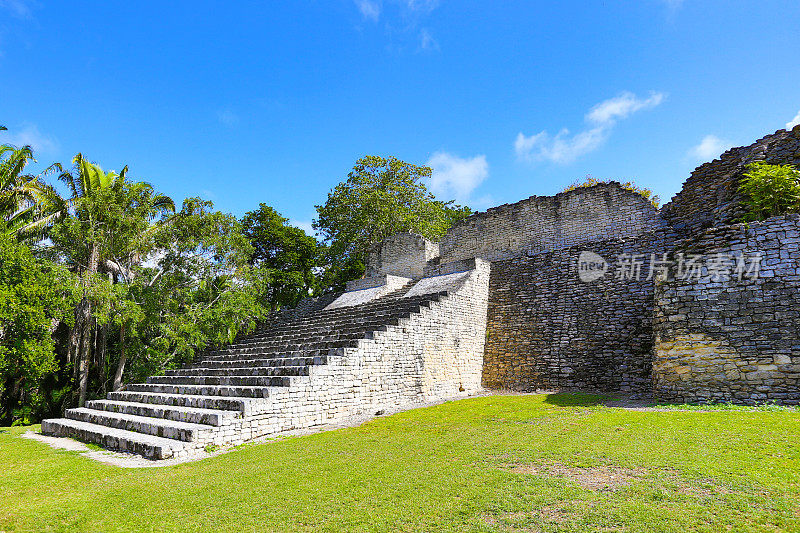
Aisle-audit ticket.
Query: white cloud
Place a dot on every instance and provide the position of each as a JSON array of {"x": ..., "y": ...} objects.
[
  {"x": 304, "y": 225},
  {"x": 561, "y": 148},
  {"x": 709, "y": 148},
  {"x": 622, "y": 106},
  {"x": 456, "y": 177},
  {"x": 564, "y": 148},
  {"x": 369, "y": 9},
  {"x": 423, "y": 6},
  {"x": 426, "y": 41},
  {"x": 227, "y": 117},
  {"x": 29, "y": 134},
  {"x": 794, "y": 122}
]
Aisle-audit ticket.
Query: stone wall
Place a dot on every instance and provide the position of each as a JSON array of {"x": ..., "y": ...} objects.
[
  {"x": 710, "y": 198},
  {"x": 721, "y": 338},
  {"x": 547, "y": 329},
  {"x": 403, "y": 254},
  {"x": 545, "y": 223}
]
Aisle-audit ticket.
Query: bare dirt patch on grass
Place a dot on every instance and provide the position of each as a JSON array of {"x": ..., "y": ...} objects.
[
  {"x": 604, "y": 477},
  {"x": 560, "y": 515}
]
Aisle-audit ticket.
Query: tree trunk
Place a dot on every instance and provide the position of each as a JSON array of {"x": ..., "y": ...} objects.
[
  {"x": 87, "y": 333},
  {"x": 123, "y": 358},
  {"x": 75, "y": 332},
  {"x": 102, "y": 346}
]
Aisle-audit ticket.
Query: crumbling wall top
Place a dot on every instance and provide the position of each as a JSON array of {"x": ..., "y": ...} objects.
[{"x": 710, "y": 196}]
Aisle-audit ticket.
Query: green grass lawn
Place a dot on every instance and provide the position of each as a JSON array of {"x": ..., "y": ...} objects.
[{"x": 497, "y": 463}]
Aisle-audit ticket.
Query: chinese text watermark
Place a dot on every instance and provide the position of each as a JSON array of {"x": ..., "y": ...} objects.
[{"x": 635, "y": 267}]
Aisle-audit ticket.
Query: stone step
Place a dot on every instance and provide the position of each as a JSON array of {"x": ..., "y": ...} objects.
[
  {"x": 325, "y": 328},
  {"x": 249, "y": 380},
  {"x": 303, "y": 339},
  {"x": 336, "y": 324},
  {"x": 287, "y": 347},
  {"x": 147, "y": 446},
  {"x": 159, "y": 427},
  {"x": 254, "y": 361},
  {"x": 234, "y": 371},
  {"x": 256, "y": 365},
  {"x": 242, "y": 405},
  {"x": 206, "y": 390},
  {"x": 194, "y": 415},
  {"x": 363, "y": 316}
]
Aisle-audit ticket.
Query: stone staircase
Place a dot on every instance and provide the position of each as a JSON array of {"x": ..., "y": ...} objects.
[{"x": 307, "y": 371}]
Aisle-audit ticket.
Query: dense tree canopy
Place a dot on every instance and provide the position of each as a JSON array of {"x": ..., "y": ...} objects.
[
  {"x": 108, "y": 231},
  {"x": 286, "y": 255},
  {"x": 381, "y": 197},
  {"x": 34, "y": 295}
]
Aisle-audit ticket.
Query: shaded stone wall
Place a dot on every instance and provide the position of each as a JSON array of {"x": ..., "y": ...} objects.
[
  {"x": 547, "y": 329},
  {"x": 403, "y": 254},
  {"x": 719, "y": 338},
  {"x": 544, "y": 223},
  {"x": 710, "y": 198}
]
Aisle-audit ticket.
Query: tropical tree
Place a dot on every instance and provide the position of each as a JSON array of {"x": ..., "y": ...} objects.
[
  {"x": 34, "y": 295},
  {"x": 108, "y": 231},
  {"x": 197, "y": 289},
  {"x": 286, "y": 255},
  {"x": 28, "y": 205},
  {"x": 381, "y": 197}
]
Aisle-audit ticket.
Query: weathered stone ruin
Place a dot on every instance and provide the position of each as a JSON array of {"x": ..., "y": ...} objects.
[{"x": 592, "y": 289}]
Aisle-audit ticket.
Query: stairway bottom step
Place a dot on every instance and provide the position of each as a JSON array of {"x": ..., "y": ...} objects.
[{"x": 147, "y": 446}]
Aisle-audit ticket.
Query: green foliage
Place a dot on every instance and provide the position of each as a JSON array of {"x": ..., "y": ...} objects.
[
  {"x": 770, "y": 190},
  {"x": 286, "y": 256},
  {"x": 28, "y": 205},
  {"x": 174, "y": 282},
  {"x": 645, "y": 193},
  {"x": 198, "y": 289},
  {"x": 111, "y": 216},
  {"x": 381, "y": 197},
  {"x": 34, "y": 295}
]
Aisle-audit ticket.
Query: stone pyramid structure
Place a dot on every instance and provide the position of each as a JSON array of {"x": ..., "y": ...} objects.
[{"x": 388, "y": 343}]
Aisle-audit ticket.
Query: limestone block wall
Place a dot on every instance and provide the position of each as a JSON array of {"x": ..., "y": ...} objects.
[
  {"x": 547, "y": 329},
  {"x": 435, "y": 354},
  {"x": 403, "y": 254},
  {"x": 719, "y": 338},
  {"x": 710, "y": 198},
  {"x": 545, "y": 223}
]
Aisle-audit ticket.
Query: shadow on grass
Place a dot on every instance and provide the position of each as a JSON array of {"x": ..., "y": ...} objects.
[{"x": 576, "y": 399}]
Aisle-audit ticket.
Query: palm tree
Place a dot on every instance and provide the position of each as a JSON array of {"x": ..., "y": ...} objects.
[
  {"x": 28, "y": 205},
  {"x": 93, "y": 191}
]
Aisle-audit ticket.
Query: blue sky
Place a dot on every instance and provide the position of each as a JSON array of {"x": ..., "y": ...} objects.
[{"x": 248, "y": 102}]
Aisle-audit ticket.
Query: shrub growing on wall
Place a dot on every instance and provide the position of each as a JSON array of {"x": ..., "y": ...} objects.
[
  {"x": 645, "y": 193},
  {"x": 770, "y": 190}
]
